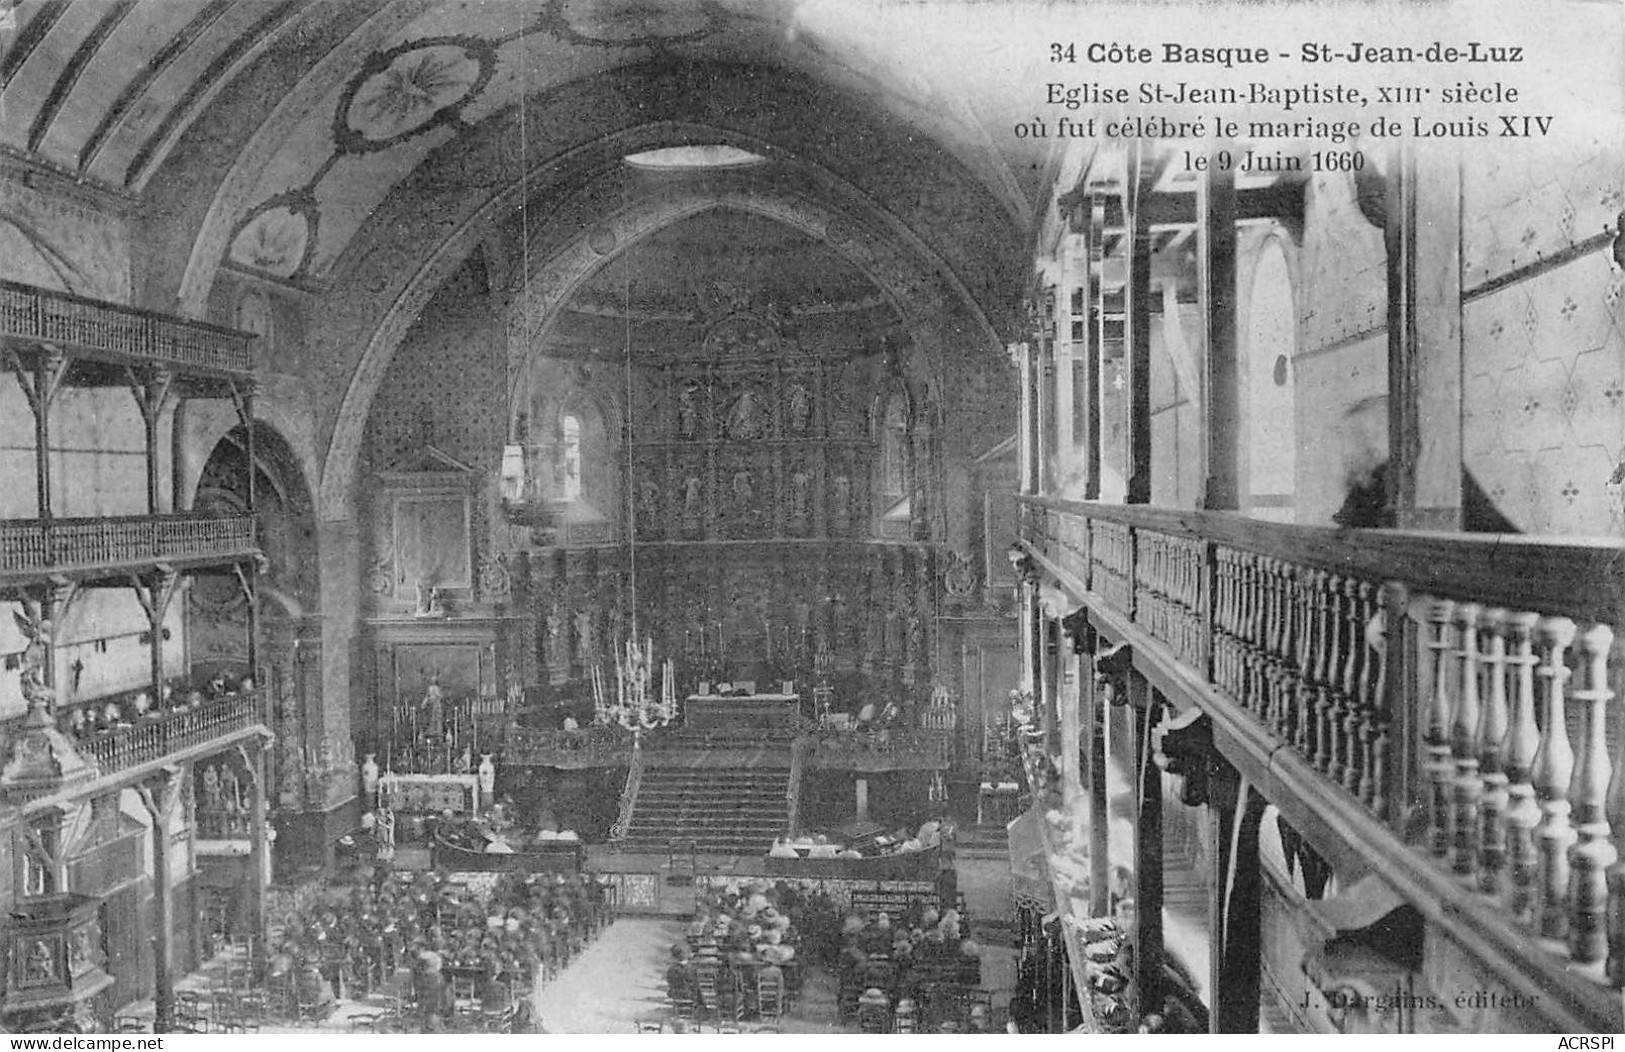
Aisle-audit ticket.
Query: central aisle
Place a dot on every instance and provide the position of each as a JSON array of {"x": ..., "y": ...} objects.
[{"x": 619, "y": 978}]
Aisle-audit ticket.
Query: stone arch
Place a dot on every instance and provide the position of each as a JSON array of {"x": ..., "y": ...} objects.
[{"x": 901, "y": 265}]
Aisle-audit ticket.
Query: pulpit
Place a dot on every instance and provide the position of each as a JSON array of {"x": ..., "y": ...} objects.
[{"x": 54, "y": 965}]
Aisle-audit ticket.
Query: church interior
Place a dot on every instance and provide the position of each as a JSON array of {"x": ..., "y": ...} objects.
[{"x": 641, "y": 515}]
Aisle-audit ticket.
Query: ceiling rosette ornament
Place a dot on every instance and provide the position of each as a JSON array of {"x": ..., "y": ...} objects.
[
  {"x": 411, "y": 89},
  {"x": 278, "y": 236}
]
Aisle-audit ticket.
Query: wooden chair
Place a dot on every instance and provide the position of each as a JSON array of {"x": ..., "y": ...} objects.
[
  {"x": 131, "y": 1024},
  {"x": 769, "y": 995},
  {"x": 464, "y": 995}
]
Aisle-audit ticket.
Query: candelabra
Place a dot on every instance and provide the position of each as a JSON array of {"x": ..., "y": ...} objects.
[{"x": 634, "y": 709}]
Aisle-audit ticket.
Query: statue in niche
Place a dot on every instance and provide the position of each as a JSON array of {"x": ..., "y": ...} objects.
[
  {"x": 558, "y": 644},
  {"x": 840, "y": 503},
  {"x": 742, "y": 415},
  {"x": 691, "y": 503},
  {"x": 800, "y": 408},
  {"x": 687, "y": 410},
  {"x": 433, "y": 708},
  {"x": 586, "y": 648},
  {"x": 798, "y": 497},
  {"x": 744, "y": 489},
  {"x": 211, "y": 786}
]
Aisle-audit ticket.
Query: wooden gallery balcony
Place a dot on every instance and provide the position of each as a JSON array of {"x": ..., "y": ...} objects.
[
  {"x": 92, "y": 329},
  {"x": 129, "y": 753},
  {"x": 33, "y": 549},
  {"x": 1433, "y": 708}
]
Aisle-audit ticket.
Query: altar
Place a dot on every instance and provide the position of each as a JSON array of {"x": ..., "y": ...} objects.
[
  {"x": 429, "y": 793},
  {"x": 741, "y": 711}
]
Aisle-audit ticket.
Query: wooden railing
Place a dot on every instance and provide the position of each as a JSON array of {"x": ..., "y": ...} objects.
[
  {"x": 1424, "y": 675},
  {"x": 799, "y": 751},
  {"x": 35, "y": 545},
  {"x": 72, "y": 322},
  {"x": 155, "y": 738},
  {"x": 586, "y": 747},
  {"x": 629, "y": 796},
  {"x": 883, "y": 750}
]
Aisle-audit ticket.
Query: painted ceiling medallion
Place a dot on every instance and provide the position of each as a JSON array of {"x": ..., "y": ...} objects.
[
  {"x": 410, "y": 89},
  {"x": 627, "y": 23},
  {"x": 277, "y": 237}
]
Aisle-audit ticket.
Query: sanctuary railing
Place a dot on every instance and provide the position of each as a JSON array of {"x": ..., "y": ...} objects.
[
  {"x": 629, "y": 796},
  {"x": 1455, "y": 689},
  {"x": 903, "y": 748},
  {"x": 584, "y": 747}
]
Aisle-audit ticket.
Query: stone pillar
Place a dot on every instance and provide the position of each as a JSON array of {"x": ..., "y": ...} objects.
[{"x": 861, "y": 787}]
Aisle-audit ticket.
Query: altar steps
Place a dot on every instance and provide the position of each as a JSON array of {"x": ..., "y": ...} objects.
[{"x": 732, "y": 812}]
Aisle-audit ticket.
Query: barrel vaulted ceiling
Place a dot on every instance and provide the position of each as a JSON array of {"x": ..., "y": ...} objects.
[{"x": 261, "y": 135}]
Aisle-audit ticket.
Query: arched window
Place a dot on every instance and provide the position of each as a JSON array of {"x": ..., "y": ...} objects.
[
  {"x": 894, "y": 448},
  {"x": 569, "y": 479}
]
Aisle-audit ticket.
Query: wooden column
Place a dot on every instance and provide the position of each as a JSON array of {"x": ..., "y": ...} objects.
[
  {"x": 154, "y": 593},
  {"x": 1422, "y": 233},
  {"x": 1095, "y": 326},
  {"x": 1216, "y": 269},
  {"x": 253, "y": 757},
  {"x": 1237, "y": 948},
  {"x": 1026, "y": 447},
  {"x": 40, "y": 382},
  {"x": 151, "y": 386},
  {"x": 1137, "y": 334},
  {"x": 158, "y": 795},
  {"x": 1147, "y": 979},
  {"x": 1092, "y": 715},
  {"x": 242, "y": 399}
]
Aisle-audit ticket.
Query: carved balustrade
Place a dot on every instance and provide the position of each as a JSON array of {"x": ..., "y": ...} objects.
[
  {"x": 36, "y": 546},
  {"x": 152, "y": 739},
  {"x": 883, "y": 750},
  {"x": 1458, "y": 687},
  {"x": 585, "y": 747},
  {"x": 42, "y": 316}
]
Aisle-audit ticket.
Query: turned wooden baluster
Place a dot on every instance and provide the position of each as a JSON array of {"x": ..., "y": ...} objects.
[
  {"x": 1324, "y": 643},
  {"x": 1221, "y": 615},
  {"x": 1436, "y": 740},
  {"x": 1306, "y": 603},
  {"x": 1374, "y": 787},
  {"x": 1616, "y": 872},
  {"x": 1253, "y": 632},
  {"x": 1593, "y": 851},
  {"x": 1492, "y": 734},
  {"x": 1345, "y": 700},
  {"x": 1554, "y": 767},
  {"x": 1281, "y": 648},
  {"x": 1518, "y": 753},
  {"x": 1464, "y": 743},
  {"x": 1327, "y": 701},
  {"x": 1357, "y": 724}
]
